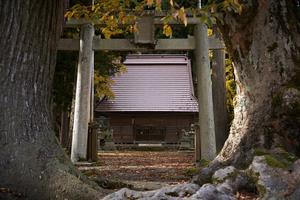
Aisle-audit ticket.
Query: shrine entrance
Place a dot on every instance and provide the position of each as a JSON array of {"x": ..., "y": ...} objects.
[
  {"x": 149, "y": 134},
  {"x": 209, "y": 136}
]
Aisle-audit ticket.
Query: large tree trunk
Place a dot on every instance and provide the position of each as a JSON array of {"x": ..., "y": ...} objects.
[
  {"x": 264, "y": 42},
  {"x": 31, "y": 161}
]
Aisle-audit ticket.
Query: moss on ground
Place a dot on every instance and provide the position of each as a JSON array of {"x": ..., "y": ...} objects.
[
  {"x": 282, "y": 159},
  {"x": 274, "y": 162},
  {"x": 288, "y": 156},
  {"x": 254, "y": 180},
  {"x": 261, "y": 190},
  {"x": 204, "y": 163},
  {"x": 278, "y": 158},
  {"x": 192, "y": 171},
  {"x": 259, "y": 152}
]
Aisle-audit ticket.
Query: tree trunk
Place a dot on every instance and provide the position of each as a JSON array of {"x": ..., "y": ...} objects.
[
  {"x": 264, "y": 42},
  {"x": 31, "y": 161}
]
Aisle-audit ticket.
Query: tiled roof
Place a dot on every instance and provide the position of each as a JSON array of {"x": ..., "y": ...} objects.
[{"x": 161, "y": 83}]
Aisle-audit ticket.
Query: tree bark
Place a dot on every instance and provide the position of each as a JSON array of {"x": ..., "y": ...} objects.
[
  {"x": 264, "y": 42},
  {"x": 31, "y": 160}
]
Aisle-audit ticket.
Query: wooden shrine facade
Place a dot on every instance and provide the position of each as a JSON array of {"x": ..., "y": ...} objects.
[{"x": 154, "y": 100}]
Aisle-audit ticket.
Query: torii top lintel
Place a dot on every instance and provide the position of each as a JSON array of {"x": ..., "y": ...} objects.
[{"x": 143, "y": 40}]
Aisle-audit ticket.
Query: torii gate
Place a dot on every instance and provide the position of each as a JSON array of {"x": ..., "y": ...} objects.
[{"x": 206, "y": 137}]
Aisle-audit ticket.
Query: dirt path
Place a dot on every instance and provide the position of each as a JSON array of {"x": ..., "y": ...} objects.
[{"x": 143, "y": 169}]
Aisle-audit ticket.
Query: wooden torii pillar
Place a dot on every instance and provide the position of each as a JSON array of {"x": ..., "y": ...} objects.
[
  {"x": 219, "y": 94},
  {"x": 205, "y": 143},
  {"x": 82, "y": 112}
]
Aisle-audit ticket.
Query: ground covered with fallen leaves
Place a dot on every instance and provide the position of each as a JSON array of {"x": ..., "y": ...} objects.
[
  {"x": 164, "y": 166},
  {"x": 146, "y": 170},
  {"x": 159, "y": 166}
]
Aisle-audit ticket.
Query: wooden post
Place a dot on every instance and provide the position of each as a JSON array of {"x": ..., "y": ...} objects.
[
  {"x": 92, "y": 90},
  {"x": 219, "y": 97},
  {"x": 197, "y": 142},
  {"x": 92, "y": 153},
  {"x": 83, "y": 94},
  {"x": 64, "y": 129},
  {"x": 204, "y": 90}
]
